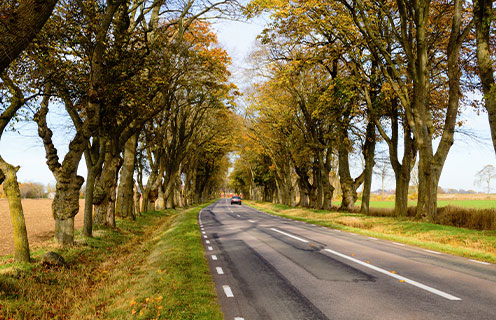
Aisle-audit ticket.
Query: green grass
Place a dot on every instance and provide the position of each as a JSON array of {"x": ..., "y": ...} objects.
[
  {"x": 477, "y": 204},
  {"x": 480, "y": 245},
  {"x": 154, "y": 267}
]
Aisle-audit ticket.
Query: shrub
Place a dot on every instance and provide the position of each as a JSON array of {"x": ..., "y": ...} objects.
[{"x": 478, "y": 219}]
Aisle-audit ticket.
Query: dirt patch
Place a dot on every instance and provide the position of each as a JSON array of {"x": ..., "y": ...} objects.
[{"x": 39, "y": 222}]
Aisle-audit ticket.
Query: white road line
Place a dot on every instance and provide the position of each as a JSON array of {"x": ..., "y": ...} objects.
[
  {"x": 203, "y": 232},
  {"x": 205, "y": 237},
  {"x": 481, "y": 262},
  {"x": 207, "y": 241},
  {"x": 251, "y": 221},
  {"x": 435, "y": 252},
  {"x": 219, "y": 270},
  {"x": 289, "y": 235},
  {"x": 396, "y": 276},
  {"x": 214, "y": 257},
  {"x": 210, "y": 248},
  {"x": 372, "y": 238},
  {"x": 352, "y": 234},
  {"x": 228, "y": 291},
  {"x": 399, "y": 244},
  {"x": 239, "y": 318},
  {"x": 337, "y": 230}
]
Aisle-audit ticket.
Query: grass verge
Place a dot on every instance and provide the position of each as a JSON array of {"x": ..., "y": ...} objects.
[
  {"x": 152, "y": 268},
  {"x": 480, "y": 245}
]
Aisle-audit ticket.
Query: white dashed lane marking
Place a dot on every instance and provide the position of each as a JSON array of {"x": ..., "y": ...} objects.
[
  {"x": 228, "y": 291},
  {"x": 251, "y": 221},
  {"x": 205, "y": 237},
  {"x": 207, "y": 241},
  {"x": 289, "y": 235},
  {"x": 214, "y": 257},
  {"x": 219, "y": 270},
  {"x": 210, "y": 248},
  {"x": 398, "y": 244}
]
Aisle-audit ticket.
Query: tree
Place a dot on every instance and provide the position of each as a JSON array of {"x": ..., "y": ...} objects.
[
  {"x": 8, "y": 173},
  {"x": 20, "y": 22},
  {"x": 485, "y": 175},
  {"x": 483, "y": 16}
]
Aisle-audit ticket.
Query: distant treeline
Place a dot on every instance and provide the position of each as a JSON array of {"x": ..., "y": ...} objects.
[{"x": 32, "y": 190}]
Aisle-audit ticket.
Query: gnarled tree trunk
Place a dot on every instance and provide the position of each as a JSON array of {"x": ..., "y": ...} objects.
[
  {"x": 105, "y": 187},
  {"x": 8, "y": 176},
  {"x": 125, "y": 206}
]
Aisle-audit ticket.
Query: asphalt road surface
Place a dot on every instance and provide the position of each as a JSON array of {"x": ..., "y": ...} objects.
[{"x": 267, "y": 267}]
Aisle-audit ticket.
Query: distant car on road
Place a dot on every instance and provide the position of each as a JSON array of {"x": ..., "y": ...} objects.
[{"x": 236, "y": 200}]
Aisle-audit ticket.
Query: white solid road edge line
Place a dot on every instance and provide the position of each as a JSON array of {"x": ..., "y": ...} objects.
[
  {"x": 228, "y": 291},
  {"x": 481, "y": 262},
  {"x": 289, "y": 235},
  {"x": 396, "y": 276},
  {"x": 219, "y": 270},
  {"x": 398, "y": 244}
]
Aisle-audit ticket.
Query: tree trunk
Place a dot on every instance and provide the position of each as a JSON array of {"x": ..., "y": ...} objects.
[
  {"x": 88, "y": 203},
  {"x": 483, "y": 17},
  {"x": 106, "y": 185},
  {"x": 8, "y": 175},
  {"x": 348, "y": 185},
  {"x": 124, "y": 205},
  {"x": 368, "y": 153},
  {"x": 20, "y": 26},
  {"x": 427, "y": 194},
  {"x": 161, "y": 202},
  {"x": 65, "y": 206},
  {"x": 401, "y": 193}
]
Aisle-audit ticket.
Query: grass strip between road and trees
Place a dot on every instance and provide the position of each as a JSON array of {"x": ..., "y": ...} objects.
[
  {"x": 152, "y": 268},
  {"x": 473, "y": 244}
]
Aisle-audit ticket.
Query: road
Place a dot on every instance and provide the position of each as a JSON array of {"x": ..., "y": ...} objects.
[{"x": 268, "y": 267}]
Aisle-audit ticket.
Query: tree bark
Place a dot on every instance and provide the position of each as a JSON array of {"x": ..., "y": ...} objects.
[
  {"x": 368, "y": 154},
  {"x": 483, "y": 17},
  {"x": 8, "y": 176},
  {"x": 124, "y": 206},
  {"x": 348, "y": 185},
  {"x": 19, "y": 27},
  {"x": 106, "y": 187}
]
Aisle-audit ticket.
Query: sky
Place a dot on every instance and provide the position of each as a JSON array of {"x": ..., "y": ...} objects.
[{"x": 467, "y": 156}]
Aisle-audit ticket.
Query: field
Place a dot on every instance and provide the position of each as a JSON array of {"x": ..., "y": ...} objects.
[
  {"x": 39, "y": 222},
  {"x": 476, "y": 204},
  {"x": 475, "y": 201}
]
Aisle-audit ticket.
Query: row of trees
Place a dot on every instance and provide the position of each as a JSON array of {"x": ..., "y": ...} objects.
[
  {"x": 338, "y": 77},
  {"x": 146, "y": 89}
]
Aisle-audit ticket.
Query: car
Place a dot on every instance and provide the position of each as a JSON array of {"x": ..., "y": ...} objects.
[{"x": 236, "y": 200}]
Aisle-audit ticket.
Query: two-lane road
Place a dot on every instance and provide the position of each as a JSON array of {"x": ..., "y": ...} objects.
[{"x": 267, "y": 267}]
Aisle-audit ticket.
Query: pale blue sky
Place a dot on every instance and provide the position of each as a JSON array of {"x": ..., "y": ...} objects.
[{"x": 466, "y": 157}]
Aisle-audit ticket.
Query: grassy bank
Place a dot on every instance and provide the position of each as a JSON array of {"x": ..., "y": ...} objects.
[
  {"x": 150, "y": 268},
  {"x": 480, "y": 245}
]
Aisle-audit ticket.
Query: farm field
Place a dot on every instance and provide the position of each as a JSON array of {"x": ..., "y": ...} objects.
[{"x": 39, "y": 222}]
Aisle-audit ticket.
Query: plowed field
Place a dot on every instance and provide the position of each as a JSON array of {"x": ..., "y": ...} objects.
[{"x": 39, "y": 222}]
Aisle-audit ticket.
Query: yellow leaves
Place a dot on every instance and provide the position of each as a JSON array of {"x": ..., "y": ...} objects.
[{"x": 132, "y": 303}]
